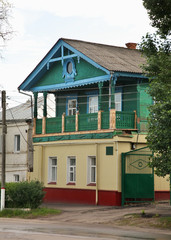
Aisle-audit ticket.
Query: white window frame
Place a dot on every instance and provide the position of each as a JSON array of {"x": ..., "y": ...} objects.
[
  {"x": 91, "y": 170},
  {"x": 17, "y": 143},
  {"x": 52, "y": 169},
  {"x": 72, "y": 110},
  {"x": 118, "y": 101},
  {"x": 93, "y": 108},
  {"x": 71, "y": 170},
  {"x": 16, "y": 177}
]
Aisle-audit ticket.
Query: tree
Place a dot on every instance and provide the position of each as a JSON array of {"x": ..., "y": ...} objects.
[
  {"x": 5, "y": 27},
  {"x": 159, "y": 13},
  {"x": 156, "y": 48}
]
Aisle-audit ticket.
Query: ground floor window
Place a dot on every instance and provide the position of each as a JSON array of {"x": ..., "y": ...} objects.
[
  {"x": 16, "y": 178},
  {"x": 71, "y": 170},
  {"x": 91, "y": 170},
  {"x": 52, "y": 171}
]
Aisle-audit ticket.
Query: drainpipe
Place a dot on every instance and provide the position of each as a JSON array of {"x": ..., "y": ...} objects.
[
  {"x": 96, "y": 174},
  {"x": 117, "y": 174},
  {"x": 31, "y": 103},
  {"x": 111, "y": 76}
]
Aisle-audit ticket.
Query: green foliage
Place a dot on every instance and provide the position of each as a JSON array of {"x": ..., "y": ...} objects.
[
  {"x": 159, "y": 13},
  {"x": 24, "y": 194},
  {"x": 34, "y": 213},
  {"x": 157, "y": 49},
  {"x": 158, "y": 69}
]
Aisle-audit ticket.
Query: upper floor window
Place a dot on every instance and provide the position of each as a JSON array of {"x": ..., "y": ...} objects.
[
  {"x": 69, "y": 70},
  {"x": 72, "y": 106},
  {"x": 93, "y": 104},
  {"x": 69, "y": 67},
  {"x": 118, "y": 101},
  {"x": 17, "y": 143}
]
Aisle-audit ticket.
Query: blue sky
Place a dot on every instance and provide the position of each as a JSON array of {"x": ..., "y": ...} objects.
[{"x": 39, "y": 24}]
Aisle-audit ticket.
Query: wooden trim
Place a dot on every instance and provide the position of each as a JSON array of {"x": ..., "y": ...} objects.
[
  {"x": 99, "y": 119},
  {"x": 63, "y": 123},
  {"x": 44, "y": 125},
  {"x": 75, "y": 133},
  {"x": 112, "y": 118},
  {"x": 76, "y": 121},
  {"x": 34, "y": 126},
  {"x": 135, "y": 120}
]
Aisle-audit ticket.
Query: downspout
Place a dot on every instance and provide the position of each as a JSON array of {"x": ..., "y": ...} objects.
[
  {"x": 117, "y": 165},
  {"x": 96, "y": 174},
  {"x": 31, "y": 99},
  {"x": 111, "y": 76}
]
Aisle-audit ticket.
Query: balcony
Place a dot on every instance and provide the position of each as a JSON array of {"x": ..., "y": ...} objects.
[{"x": 101, "y": 121}]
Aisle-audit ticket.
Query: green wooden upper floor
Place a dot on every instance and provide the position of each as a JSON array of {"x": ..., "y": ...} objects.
[{"x": 95, "y": 87}]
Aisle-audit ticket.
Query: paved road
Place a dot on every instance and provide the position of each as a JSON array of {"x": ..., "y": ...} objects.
[{"x": 17, "y": 229}]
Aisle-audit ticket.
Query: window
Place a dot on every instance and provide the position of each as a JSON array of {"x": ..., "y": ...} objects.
[
  {"x": 71, "y": 170},
  {"x": 91, "y": 171},
  {"x": 118, "y": 101},
  {"x": 69, "y": 67},
  {"x": 109, "y": 150},
  {"x": 72, "y": 107},
  {"x": 17, "y": 143},
  {"x": 93, "y": 104},
  {"x": 16, "y": 178},
  {"x": 52, "y": 176},
  {"x": 69, "y": 70}
]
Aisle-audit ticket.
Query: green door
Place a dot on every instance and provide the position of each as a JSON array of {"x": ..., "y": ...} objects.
[{"x": 137, "y": 176}]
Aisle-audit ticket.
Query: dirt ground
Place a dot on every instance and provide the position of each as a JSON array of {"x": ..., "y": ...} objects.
[{"x": 147, "y": 216}]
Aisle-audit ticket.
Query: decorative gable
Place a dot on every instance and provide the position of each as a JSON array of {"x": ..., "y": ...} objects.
[{"x": 64, "y": 67}]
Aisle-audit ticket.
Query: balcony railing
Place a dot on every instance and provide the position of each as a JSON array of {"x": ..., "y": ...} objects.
[{"x": 86, "y": 122}]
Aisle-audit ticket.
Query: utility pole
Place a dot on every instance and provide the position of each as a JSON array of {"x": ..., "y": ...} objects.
[{"x": 4, "y": 131}]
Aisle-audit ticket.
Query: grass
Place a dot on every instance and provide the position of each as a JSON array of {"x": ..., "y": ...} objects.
[
  {"x": 33, "y": 213},
  {"x": 165, "y": 222},
  {"x": 154, "y": 221}
]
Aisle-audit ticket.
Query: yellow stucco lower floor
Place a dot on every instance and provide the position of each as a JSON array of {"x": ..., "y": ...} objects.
[{"x": 86, "y": 170}]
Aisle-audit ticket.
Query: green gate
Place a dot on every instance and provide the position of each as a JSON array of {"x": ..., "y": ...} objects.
[{"x": 137, "y": 176}]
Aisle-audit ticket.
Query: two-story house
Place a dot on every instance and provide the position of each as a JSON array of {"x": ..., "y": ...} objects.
[{"x": 94, "y": 150}]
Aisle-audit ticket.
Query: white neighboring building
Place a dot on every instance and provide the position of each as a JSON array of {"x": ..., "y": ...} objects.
[{"x": 19, "y": 149}]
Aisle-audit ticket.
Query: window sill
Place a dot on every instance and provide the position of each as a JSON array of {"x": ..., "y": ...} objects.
[
  {"x": 52, "y": 183},
  {"x": 71, "y": 183},
  {"x": 91, "y": 184}
]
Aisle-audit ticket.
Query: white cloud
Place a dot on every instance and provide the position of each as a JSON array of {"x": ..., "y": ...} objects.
[{"x": 39, "y": 24}]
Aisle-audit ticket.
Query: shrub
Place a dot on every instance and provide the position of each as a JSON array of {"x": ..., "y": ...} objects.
[{"x": 24, "y": 194}]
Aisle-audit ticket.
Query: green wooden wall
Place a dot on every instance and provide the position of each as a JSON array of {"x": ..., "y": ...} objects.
[
  {"x": 144, "y": 101},
  {"x": 54, "y": 75},
  {"x": 129, "y": 96}
]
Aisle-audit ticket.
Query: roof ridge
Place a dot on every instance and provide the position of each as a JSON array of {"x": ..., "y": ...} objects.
[{"x": 94, "y": 43}]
